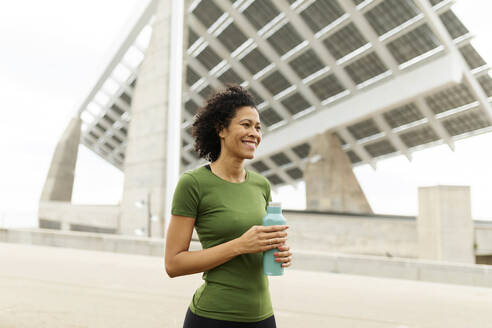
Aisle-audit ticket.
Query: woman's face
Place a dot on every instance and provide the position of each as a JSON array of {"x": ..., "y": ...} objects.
[{"x": 243, "y": 135}]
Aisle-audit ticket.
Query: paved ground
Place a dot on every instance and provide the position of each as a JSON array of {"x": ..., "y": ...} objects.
[{"x": 55, "y": 287}]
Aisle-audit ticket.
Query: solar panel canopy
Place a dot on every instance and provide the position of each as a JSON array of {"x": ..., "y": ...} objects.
[{"x": 308, "y": 59}]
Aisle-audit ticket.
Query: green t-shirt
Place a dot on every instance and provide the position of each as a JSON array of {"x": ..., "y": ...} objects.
[{"x": 236, "y": 290}]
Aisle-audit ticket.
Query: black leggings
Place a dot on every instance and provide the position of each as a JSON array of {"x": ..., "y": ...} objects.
[{"x": 194, "y": 321}]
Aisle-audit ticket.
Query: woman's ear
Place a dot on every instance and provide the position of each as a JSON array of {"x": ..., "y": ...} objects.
[{"x": 220, "y": 130}]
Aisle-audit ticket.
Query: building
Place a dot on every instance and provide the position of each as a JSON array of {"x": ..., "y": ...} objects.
[{"x": 338, "y": 83}]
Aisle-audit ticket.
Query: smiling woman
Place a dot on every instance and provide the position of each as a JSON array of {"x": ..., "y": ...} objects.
[{"x": 225, "y": 203}]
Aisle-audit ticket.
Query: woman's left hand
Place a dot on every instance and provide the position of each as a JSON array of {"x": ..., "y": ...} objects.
[{"x": 283, "y": 255}]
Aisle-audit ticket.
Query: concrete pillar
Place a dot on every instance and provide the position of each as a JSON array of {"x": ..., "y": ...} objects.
[
  {"x": 331, "y": 184},
  {"x": 59, "y": 182},
  {"x": 146, "y": 152},
  {"x": 445, "y": 225}
]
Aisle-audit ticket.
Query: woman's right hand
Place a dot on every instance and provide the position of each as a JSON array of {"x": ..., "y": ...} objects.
[{"x": 262, "y": 238}]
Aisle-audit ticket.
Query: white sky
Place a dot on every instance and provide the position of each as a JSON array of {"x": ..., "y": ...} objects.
[{"x": 53, "y": 51}]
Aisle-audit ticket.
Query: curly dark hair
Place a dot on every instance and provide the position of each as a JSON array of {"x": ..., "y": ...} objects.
[{"x": 217, "y": 113}]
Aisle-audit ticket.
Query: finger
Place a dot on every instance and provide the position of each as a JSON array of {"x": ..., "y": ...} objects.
[
  {"x": 274, "y": 228},
  {"x": 286, "y": 265},
  {"x": 284, "y": 248},
  {"x": 282, "y": 254},
  {"x": 283, "y": 259},
  {"x": 276, "y": 234},
  {"x": 279, "y": 241},
  {"x": 273, "y": 246}
]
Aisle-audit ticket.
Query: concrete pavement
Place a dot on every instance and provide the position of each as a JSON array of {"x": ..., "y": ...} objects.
[{"x": 57, "y": 287}]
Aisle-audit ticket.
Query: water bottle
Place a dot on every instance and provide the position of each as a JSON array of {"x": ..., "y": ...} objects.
[{"x": 273, "y": 217}]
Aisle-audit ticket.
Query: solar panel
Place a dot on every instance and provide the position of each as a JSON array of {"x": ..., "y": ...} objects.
[
  {"x": 363, "y": 129},
  {"x": 116, "y": 139},
  {"x": 365, "y": 68},
  {"x": 412, "y": 44},
  {"x": 344, "y": 41},
  {"x": 191, "y": 107},
  {"x": 321, "y": 13},
  {"x": 109, "y": 146},
  {"x": 450, "y": 98},
  {"x": 280, "y": 159},
  {"x": 306, "y": 64},
  {"x": 466, "y": 121},
  {"x": 100, "y": 127},
  {"x": 403, "y": 115},
  {"x": 207, "y": 12},
  {"x": 269, "y": 117},
  {"x": 256, "y": 97},
  {"x": 418, "y": 136},
  {"x": 126, "y": 98},
  {"x": 486, "y": 84},
  {"x": 302, "y": 150},
  {"x": 454, "y": 26},
  {"x": 295, "y": 173},
  {"x": 342, "y": 141},
  {"x": 295, "y": 103},
  {"x": 353, "y": 157},
  {"x": 275, "y": 82},
  {"x": 275, "y": 179},
  {"x": 327, "y": 87},
  {"x": 285, "y": 39},
  {"x": 389, "y": 14},
  {"x": 191, "y": 76},
  {"x": 184, "y": 162},
  {"x": 207, "y": 91},
  {"x": 472, "y": 57},
  {"x": 230, "y": 77},
  {"x": 260, "y": 13},
  {"x": 435, "y": 2},
  {"x": 255, "y": 61},
  {"x": 94, "y": 135},
  {"x": 192, "y": 37},
  {"x": 194, "y": 154},
  {"x": 115, "y": 108},
  {"x": 232, "y": 37},
  {"x": 380, "y": 148},
  {"x": 189, "y": 130},
  {"x": 260, "y": 166},
  {"x": 209, "y": 58}
]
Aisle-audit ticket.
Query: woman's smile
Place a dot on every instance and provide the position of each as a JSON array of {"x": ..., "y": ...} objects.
[{"x": 250, "y": 144}]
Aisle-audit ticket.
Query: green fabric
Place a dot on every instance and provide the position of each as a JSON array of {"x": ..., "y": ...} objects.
[{"x": 236, "y": 290}]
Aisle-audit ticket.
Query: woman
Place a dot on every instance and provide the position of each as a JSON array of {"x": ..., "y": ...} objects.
[{"x": 225, "y": 203}]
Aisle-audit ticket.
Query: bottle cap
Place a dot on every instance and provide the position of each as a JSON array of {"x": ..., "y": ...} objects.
[{"x": 275, "y": 204}]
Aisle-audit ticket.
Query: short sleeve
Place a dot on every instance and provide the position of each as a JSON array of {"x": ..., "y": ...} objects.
[
  {"x": 268, "y": 195},
  {"x": 186, "y": 197}
]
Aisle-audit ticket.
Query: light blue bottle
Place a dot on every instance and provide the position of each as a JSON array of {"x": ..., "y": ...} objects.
[{"x": 273, "y": 217}]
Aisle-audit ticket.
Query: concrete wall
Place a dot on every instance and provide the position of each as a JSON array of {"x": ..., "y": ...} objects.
[
  {"x": 483, "y": 238},
  {"x": 445, "y": 224},
  {"x": 357, "y": 234},
  {"x": 391, "y": 236},
  {"x": 67, "y": 216},
  {"x": 433, "y": 271}
]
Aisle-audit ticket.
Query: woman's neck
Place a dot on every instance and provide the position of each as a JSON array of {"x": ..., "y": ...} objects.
[{"x": 229, "y": 169}]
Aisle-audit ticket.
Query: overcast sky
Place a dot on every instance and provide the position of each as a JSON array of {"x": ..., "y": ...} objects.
[{"x": 52, "y": 53}]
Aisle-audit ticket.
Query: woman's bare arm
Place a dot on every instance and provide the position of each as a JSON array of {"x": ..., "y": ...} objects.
[{"x": 179, "y": 261}]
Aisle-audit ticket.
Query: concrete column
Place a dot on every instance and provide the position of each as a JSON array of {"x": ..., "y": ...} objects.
[
  {"x": 145, "y": 164},
  {"x": 59, "y": 182},
  {"x": 331, "y": 184},
  {"x": 445, "y": 225}
]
